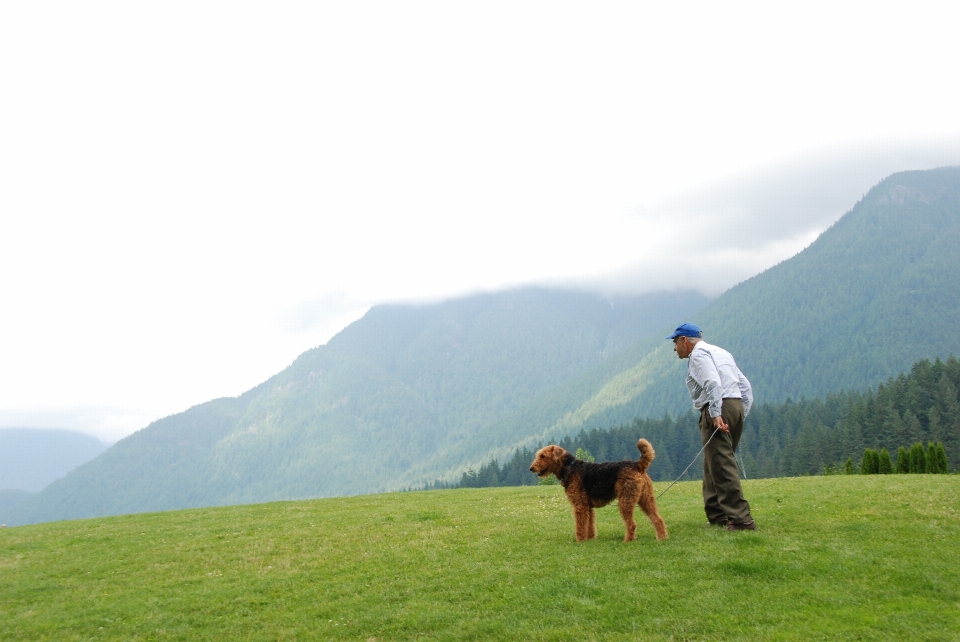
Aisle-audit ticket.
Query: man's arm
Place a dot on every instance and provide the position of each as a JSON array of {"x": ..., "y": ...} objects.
[{"x": 746, "y": 393}]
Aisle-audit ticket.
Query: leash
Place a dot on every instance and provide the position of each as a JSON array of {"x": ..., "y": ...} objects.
[
  {"x": 690, "y": 464},
  {"x": 743, "y": 468}
]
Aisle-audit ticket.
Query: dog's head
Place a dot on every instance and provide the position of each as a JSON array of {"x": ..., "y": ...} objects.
[{"x": 550, "y": 459}]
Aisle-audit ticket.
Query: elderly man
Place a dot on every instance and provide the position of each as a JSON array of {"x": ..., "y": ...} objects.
[{"x": 723, "y": 396}]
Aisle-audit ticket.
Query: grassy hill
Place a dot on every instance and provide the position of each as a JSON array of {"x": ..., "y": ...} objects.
[{"x": 848, "y": 557}]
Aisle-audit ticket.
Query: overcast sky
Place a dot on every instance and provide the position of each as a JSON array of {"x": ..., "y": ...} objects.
[{"x": 194, "y": 193}]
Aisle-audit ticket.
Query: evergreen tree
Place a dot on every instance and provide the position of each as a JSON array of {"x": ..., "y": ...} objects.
[
  {"x": 469, "y": 479},
  {"x": 932, "y": 466},
  {"x": 903, "y": 460},
  {"x": 918, "y": 458},
  {"x": 942, "y": 458},
  {"x": 913, "y": 431},
  {"x": 585, "y": 455},
  {"x": 848, "y": 466},
  {"x": 885, "y": 464},
  {"x": 870, "y": 464}
]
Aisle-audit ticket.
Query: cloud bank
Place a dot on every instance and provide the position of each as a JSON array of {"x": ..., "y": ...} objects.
[{"x": 720, "y": 234}]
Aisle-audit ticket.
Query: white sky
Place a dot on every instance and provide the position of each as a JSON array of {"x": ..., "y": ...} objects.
[{"x": 194, "y": 193}]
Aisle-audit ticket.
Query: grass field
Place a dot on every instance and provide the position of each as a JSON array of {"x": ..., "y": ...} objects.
[{"x": 842, "y": 557}]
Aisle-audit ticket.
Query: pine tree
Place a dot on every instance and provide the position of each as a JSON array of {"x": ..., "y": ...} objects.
[
  {"x": 886, "y": 464},
  {"x": 848, "y": 466},
  {"x": 870, "y": 465}
]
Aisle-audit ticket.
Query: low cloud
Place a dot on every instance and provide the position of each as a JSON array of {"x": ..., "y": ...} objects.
[
  {"x": 107, "y": 424},
  {"x": 317, "y": 312},
  {"x": 791, "y": 198},
  {"x": 714, "y": 237}
]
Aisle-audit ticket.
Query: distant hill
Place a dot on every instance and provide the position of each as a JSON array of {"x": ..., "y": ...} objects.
[
  {"x": 9, "y": 499},
  {"x": 32, "y": 458},
  {"x": 410, "y": 394},
  {"x": 390, "y": 391}
]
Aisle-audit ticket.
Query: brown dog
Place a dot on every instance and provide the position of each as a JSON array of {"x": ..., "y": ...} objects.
[{"x": 589, "y": 485}]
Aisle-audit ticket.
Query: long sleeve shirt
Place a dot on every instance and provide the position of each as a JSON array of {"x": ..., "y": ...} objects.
[{"x": 712, "y": 376}]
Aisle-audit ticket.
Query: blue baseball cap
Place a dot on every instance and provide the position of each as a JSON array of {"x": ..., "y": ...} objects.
[{"x": 686, "y": 330}]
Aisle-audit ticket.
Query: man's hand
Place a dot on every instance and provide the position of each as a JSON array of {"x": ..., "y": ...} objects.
[{"x": 720, "y": 424}]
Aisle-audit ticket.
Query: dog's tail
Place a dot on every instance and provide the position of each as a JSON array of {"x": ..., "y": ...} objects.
[{"x": 646, "y": 455}]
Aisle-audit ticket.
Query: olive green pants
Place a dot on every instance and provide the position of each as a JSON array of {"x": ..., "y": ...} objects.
[{"x": 722, "y": 496}]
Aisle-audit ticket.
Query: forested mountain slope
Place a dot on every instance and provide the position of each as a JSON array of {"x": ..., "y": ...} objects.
[
  {"x": 873, "y": 294},
  {"x": 398, "y": 386}
]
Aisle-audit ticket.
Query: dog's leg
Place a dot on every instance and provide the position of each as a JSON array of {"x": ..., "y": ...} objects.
[
  {"x": 593, "y": 523},
  {"x": 648, "y": 504},
  {"x": 582, "y": 515},
  {"x": 626, "y": 512}
]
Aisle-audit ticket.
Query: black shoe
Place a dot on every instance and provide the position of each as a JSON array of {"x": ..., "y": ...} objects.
[
  {"x": 746, "y": 526},
  {"x": 720, "y": 522}
]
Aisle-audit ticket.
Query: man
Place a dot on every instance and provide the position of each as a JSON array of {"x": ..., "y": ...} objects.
[{"x": 723, "y": 396}]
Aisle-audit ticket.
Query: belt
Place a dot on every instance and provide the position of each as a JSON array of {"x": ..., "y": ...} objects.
[{"x": 706, "y": 406}]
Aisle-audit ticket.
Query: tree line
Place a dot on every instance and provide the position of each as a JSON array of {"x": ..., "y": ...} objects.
[
  {"x": 806, "y": 437},
  {"x": 915, "y": 460}
]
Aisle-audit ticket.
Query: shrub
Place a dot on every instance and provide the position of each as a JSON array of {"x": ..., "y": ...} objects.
[
  {"x": 903, "y": 460},
  {"x": 848, "y": 466},
  {"x": 870, "y": 464},
  {"x": 932, "y": 464},
  {"x": 918, "y": 458},
  {"x": 885, "y": 463},
  {"x": 937, "y": 459},
  {"x": 942, "y": 456}
]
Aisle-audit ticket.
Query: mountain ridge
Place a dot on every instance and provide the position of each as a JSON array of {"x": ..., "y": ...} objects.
[{"x": 410, "y": 394}]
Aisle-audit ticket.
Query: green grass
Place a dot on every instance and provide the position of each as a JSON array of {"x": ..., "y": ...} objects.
[{"x": 844, "y": 557}]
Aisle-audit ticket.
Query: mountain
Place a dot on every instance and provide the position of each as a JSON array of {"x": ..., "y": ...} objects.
[
  {"x": 872, "y": 295},
  {"x": 392, "y": 390},
  {"x": 410, "y": 394},
  {"x": 32, "y": 458}
]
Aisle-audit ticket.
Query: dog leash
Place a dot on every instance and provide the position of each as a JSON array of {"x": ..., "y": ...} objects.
[{"x": 688, "y": 465}]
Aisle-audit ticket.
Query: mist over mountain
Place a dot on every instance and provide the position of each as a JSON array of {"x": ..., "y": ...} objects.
[{"x": 410, "y": 394}]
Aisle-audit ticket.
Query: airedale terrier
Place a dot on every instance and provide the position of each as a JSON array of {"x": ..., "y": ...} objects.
[{"x": 589, "y": 485}]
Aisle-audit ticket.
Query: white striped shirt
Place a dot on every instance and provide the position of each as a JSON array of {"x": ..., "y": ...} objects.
[{"x": 713, "y": 375}]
